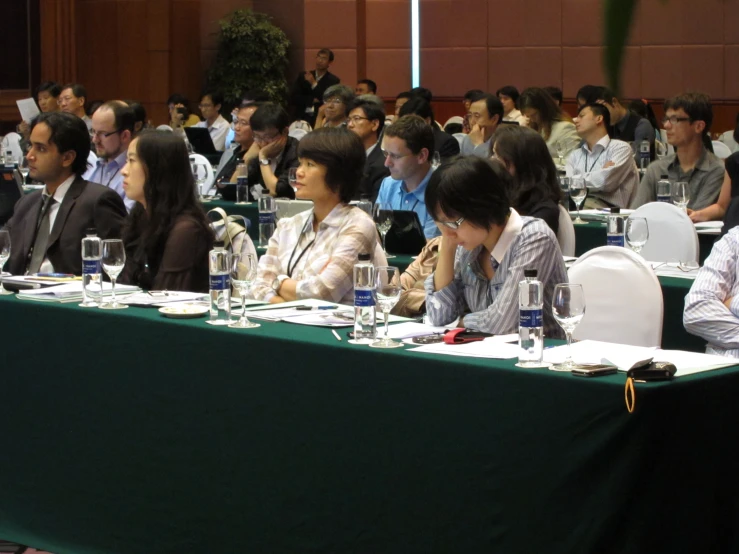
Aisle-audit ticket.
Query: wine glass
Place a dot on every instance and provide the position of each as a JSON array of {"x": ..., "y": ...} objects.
[
  {"x": 293, "y": 178},
  {"x": 561, "y": 151},
  {"x": 114, "y": 258},
  {"x": 564, "y": 184},
  {"x": 578, "y": 192},
  {"x": 200, "y": 172},
  {"x": 637, "y": 233},
  {"x": 382, "y": 213},
  {"x": 568, "y": 308},
  {"x": 681, "y": 195},
  {"x": 4, "y": 255},
  {"x": 243, "y": 273},
  {"x": 435, "y": 161},
  {"x": 23, "y": 167},
  {"x": 388, "y": 289}
]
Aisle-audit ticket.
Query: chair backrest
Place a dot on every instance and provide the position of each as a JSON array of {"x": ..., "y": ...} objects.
[
  {"x": 623, "y": 297},
  {"x": 670, "y": 148},
  {"x": 297, "y": 134},
  {"x": 205, "y": 172},
  {"x": 672, "y": 236},
  {"x": 300, "y": 124},
  {"x": 727, "y": 137},
  {"x": 454, "y": 119},
  {"x": 289, "y": 208},
  {"x": 12, "y": 142},
  {"x": 459, "y": 137},
  {"x": 165, "y": 128},
  {"x": 721, "y": 150},
  {"x": 566, "y": 232}
]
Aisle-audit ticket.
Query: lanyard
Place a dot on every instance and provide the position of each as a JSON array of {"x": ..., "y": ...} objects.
[
  {"x": 290, "y": 265},
  {"x": 587, "y": 155}
]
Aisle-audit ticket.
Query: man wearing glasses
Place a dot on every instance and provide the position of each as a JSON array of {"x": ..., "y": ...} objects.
[
  {"x": 484, "y": 116},
  {"x": 278, "y": 152},
  {"x": 408, "y": 145},
  {"x": 687, "y": 118},
  {"x": 72, "y": 100},
  {"x": 210, "y": 109},
  {"x": 337, "y": 103},
  {"x": 112, "y": 132},
  {"x": 366, "y": 120},
  {"x": 246, "y": 149}
]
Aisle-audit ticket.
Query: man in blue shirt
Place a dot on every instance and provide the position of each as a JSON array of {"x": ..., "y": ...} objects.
[{"x": 407, "y": 145}]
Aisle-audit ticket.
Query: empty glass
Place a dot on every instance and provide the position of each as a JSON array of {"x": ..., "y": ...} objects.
[
  {"x": 243, "y": 273},
  {"x": 637, "y": 233},
  {"x": 388, "y": 289},
  {"x": 435, "y": 161},
  {"x": 564, "y": 184},
  {"x": 114, "y": 258},
  {"x": 293, "y": 178},
  {"x": 681, "y": 195},
  {"x": 200, "y": 173},
  {"x": 568, "y": 308},
  {"x": 561, "y": 151},
  {"x": 578, "y": 192},
  {"x": 4, "y": 256},
  {"x": 382, "y": 213}
]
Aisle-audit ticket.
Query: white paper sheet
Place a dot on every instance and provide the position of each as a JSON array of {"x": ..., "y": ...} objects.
[
  {"x": 412, "y": 329},
  {"x": 498, "y": 347},
  {"x": 146, "y": 299},
  {"x": 28, "y": 109},
  {"x": 673, "y": 269},
  {"x": 74, "y": 289}
]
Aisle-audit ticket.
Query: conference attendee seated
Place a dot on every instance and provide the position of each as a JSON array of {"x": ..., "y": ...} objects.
[
  {"x": 337, "y": 101},
  {"x": 407, "y": 145},
  {"x": 444, "y": 143},
  {"x": 307, "y": 96},
  {"x": 556, "y": 94},
  {"x": 534, "y": 186},
  {"x": 687, "y": 118},
  {"x": 606, "y": 164},
  {"x": 278, "y": 152},
  {"x": 179, "y": 112},
  {"x": 210, "y": 108},
  {"x": 245, "y": 149},
  {"x": 139, "y": 116},
  {"x": 508, "y": 96},
  {"x": 72, "y": 100},
  {"x": 401, "y": 99},
  {"x": 469, "y": 97},
  {"x": 485, "y": 248},
  {"x": 48, "y": 225},
  {"x": 366, "y": 120},
  {"x": 167, "y": 236},
  {"x": 625, "y": 124},
  {"x": 484, "y": 116},
  {"x": 312, "y": 254},
  {"x": 412, "y": 300},
  {"x": 729, "y": 191},
  {"x": 365, "y": 86},
  {"x": 643, "y": 109},
  {"x": 712, "y": 305},
  {"x": 47, "y": 96},
  {"x": 588, "y": 94},
  {"x": 549, "y": 120},
  {"x": 112, "y": 131}
]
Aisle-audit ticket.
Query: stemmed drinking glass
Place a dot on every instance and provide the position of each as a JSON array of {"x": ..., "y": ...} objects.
[
  {"x": 383, "y": 216},
  {"x": 293, "y": 178},
  {"x": 578, "y": 192},
  {"x": 561, "y": 151},
  {"x": 637, "y": 233},
  {"x": 681, "y": 195},
  {"x": 243, "y": 273},
  {"x": 200, "y": 172},
  {"x": 23, "y": 167},
  {"x": 114, "y": 258},
  {"x": 4, "y": 256},
  {"x": 387, "y": 283},
  {"x": 435, "y": 161},
  {"x": 568, "y": 308}
]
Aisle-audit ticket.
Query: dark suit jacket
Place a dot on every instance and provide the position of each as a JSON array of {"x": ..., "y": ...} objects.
[
  {"x": 85, "y": 205},
  {"x": 304, "y": 96},
  {"x": 288, "y": 159},
  {"x": 374, "y": 172},
  {"x": 444, "y": 143}
]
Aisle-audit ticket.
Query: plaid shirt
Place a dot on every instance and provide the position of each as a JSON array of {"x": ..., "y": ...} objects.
[{"x": 322, "y": 262}]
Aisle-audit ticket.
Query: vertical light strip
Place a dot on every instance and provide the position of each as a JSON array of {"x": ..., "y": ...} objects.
[{"x": 415, "y": 45}]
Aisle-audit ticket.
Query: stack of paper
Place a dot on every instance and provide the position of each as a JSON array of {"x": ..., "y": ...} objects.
[
  {"x": 72, "y": 292},
  {"x": 500, "y": 347}
]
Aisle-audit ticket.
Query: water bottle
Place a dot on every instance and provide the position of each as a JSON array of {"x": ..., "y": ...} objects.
[
  {"x": 644, "y": 152},
  {"x": 531, "y": 320},
  {"x": 220, "y": 284},
  {"x": 92, "y": 256},
  {"x": 615, "y": 228},
  {"x": 365, "y": 326},
  {"x": 9, "y": 161},
  {"x": 267, "y": 209},
  {"x": 664, "y": 189}
]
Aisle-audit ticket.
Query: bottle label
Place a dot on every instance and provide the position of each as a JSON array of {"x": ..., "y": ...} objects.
[
  {"x": 241, "y": 180},
  {"x": 265, "y": 218},
  {"x": 531, "y": 318},
  {"x": 91, "y": 267},
  {"x": 220, "y": 282},
  {"x": 664, "y": 198},
  {"x": 615, "y": 240},
  {"x": 364, "y": 298}
]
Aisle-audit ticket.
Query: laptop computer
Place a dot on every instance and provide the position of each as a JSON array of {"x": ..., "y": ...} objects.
[
  {"x": 11, "y": 190},
  {"x": 406, "y": 234},
  {"x": 200, "y": 140}
]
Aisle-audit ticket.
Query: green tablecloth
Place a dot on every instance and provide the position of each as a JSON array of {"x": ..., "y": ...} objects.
[{"x": 127, "y": 433}]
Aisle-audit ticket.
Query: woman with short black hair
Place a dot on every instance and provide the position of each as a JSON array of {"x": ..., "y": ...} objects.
[
  {"x": 508, "y": 96},
  {"x": 312, "y": 254},
  {"x": 485, "y": 248}
]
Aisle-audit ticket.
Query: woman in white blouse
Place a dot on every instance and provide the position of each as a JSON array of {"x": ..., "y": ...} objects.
[
  {"x": 544, "y": 116},
  {"x": 312, "y": 254},
  {"x": 508, "y": 96}
]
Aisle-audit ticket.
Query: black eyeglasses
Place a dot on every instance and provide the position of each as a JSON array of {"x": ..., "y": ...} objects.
[
  {"x": 674, "y": 120},
  {"x": 102, "y": 134}
]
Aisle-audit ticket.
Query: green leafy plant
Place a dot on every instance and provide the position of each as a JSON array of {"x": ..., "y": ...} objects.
[
  {"x": 252, "y": 55},
  {"x": 618, "y": 16}
]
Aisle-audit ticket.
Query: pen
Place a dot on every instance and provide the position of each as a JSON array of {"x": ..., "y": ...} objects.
[
  {"x": 338, "y": 338},
  {"x": 311, "y": 308},
  {"x": 54, "y": 275}
]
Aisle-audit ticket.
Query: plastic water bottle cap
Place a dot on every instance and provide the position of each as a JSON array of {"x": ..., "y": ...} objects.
[
  {"x": 529, "y": 273},
  {"x": 615, "y": 210},
  {"x": 364, "y": 257},
  {"x": 91, "y": 231}
]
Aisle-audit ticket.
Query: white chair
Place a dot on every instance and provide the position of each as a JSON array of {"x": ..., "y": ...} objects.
[
  {"x": 566, "y": 233},
  {"x": 727, "y": 137},
  {"x": 12, "y": 142},
  {"x": 300, "y": 124},
  {"x": 670, "y": 148},
  {"x": 721, "y": 150},
  {"x": 297, "y": 134},
  {"x": 459, "y": 137},
  {"x": 205, "y": 172},
  {"x": 454, "y": 119},
  {"x": 672, "y": 236},
  {"x": 164, "y": 128},
  {"x": 289, "y": 208},
  {"x": 623, "y": 297}
]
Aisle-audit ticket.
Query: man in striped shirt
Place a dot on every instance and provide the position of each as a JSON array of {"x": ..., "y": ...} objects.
[
  {"x": 712, "y": 305},
  {"x": 606, "y": 165}
]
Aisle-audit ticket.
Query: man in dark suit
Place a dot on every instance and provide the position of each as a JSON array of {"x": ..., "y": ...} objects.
[
  {"x": 366, "y": 119},
  {"x": 444, "y": 143},
  {"x": 310, "y": 86},
  {"x": 47, "y": 226},
  {"x": 278, "y": 152}
]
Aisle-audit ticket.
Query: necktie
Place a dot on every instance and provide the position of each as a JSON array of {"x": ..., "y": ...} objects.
[{"x": 42, "y": 236}]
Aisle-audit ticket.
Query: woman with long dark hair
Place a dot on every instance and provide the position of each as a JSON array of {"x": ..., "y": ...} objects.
[
  {"x": 535, "y": 189},
  {"x": 167, "y": 234},
  {"x": 549, "y": 120}
]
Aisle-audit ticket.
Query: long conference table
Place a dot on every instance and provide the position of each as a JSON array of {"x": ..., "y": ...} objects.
[{"x": 125, "y": 432}]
